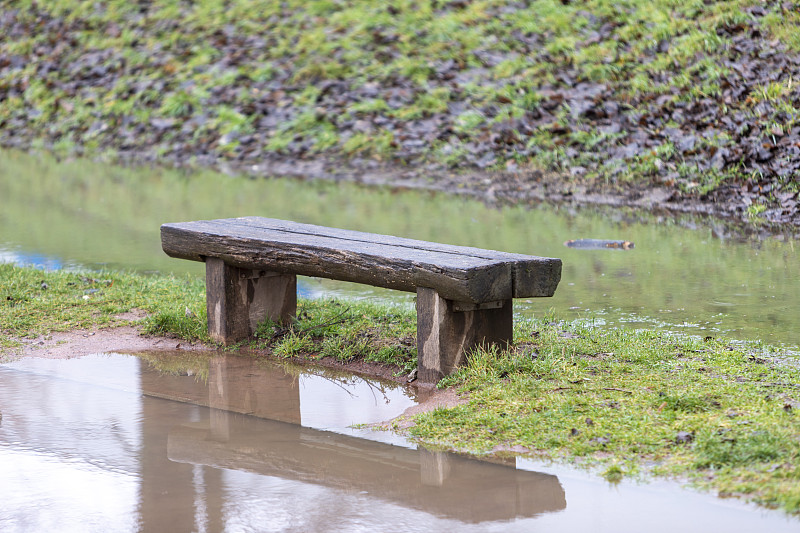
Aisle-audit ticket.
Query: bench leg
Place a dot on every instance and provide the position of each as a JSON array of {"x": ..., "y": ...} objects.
[
  {"x": 237, "y": 299},
  {"x": 446, "y": 334}
]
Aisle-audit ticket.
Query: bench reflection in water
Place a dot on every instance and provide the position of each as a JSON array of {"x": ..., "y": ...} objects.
[{"x": 254, "y": 426}]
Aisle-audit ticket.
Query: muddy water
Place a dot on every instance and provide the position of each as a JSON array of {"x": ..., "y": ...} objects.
[
  {"x": 682, "y": 275},
  {"x": 175, "y": 442}
]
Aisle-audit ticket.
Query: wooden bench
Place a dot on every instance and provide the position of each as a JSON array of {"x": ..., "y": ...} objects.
[{"x": 464, "y": 295}]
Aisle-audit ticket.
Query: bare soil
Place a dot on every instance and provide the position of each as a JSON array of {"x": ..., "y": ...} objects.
[
  {"x": 127, "y": 339},
  {"x": 130, "y": 340},
  {"x": 436, "y": 398}
]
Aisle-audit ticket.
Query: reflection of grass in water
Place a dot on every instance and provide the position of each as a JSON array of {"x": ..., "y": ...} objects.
[
  {"x": 179, "y": 363},
  {"x": 672, "y": 267}
]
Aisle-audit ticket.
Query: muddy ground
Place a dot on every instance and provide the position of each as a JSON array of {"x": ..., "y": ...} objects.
[
  {"x": 715, "y": 132},
  {"x": 129, "y": 339}
]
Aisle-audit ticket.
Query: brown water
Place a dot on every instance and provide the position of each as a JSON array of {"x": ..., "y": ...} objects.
[
  {"x": 175, "y": 442},
  {"x": 683, "y": 275}
]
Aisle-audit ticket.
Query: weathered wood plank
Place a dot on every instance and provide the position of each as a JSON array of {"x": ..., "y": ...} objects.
[
  {"x": 458, "y": 273},
  {"x": 467, "y": 279},
  {"x": 531, "y": 275}
]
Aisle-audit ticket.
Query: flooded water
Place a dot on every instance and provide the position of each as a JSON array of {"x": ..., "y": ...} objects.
[
  {"x": 183, "y": 442},
  {"x": 682, "y": 275}
]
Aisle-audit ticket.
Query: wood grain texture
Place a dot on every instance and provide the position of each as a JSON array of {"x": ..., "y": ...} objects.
[
  {"x": 456, "y": 272},
  {"x": 237, "y": 300},
  {"x": 446, "y": 336}
]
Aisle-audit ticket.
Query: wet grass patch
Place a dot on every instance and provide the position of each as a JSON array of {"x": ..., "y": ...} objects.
[
  {"x": 544, "y": 84},
  {"x": 34, "y": 302},
  {"x": 345, "y": 331},
  {"x": 634, "y": 404}
]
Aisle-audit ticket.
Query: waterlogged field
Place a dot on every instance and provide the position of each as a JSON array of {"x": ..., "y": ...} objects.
[
  {"x": 683, "y": 275},
  {"x": 694, "y": 95},
  {"x": 724, "y": 417}
]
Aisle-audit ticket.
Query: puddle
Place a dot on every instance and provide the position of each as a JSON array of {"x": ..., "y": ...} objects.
[{"x": 170, "y": 442}]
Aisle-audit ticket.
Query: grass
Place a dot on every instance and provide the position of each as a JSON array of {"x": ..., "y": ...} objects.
[
  {"x": 312, "y": 67},
  {"x": 634, "y": 403},
  {"x": 724, "y": 417},
  {"x": 345, "y": 331},
  {"x": 36, "y": 303}
]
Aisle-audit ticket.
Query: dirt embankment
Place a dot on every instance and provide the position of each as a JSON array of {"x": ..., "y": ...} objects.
[{"x": 524, "y": 187}]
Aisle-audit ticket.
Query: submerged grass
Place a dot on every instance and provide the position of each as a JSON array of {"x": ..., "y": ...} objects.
[{"x": 723, "y": 417}]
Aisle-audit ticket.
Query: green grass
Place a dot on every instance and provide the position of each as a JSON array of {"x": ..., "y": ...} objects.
[
  {"x": 35, "y": 303},
  {"x": 724, "y": 417},
  {"x": 227, "y": 65},
  {"x": 345, "y": 331}
]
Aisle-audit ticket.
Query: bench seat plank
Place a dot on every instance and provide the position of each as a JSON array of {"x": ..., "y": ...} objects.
[{"x": 458, "y": 273}]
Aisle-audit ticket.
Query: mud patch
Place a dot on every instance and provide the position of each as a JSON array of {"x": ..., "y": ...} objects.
[
  {"x": 132, "y": 316},
  {"x": 123, "y": 339},
  {"x": 516, "y": 449},
  {"x": 446, "y": 398},
  {"x": 130, "y": 340}
]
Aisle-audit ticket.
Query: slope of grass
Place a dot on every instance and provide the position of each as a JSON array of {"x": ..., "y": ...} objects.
[{"x": 600, "y": 88}]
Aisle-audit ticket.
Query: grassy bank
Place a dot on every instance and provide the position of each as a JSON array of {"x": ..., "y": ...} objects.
[
  {"x": 721, "y": 416},
  {"x": 692, "y": 94},
  {"x": 37, "y": 303}
]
